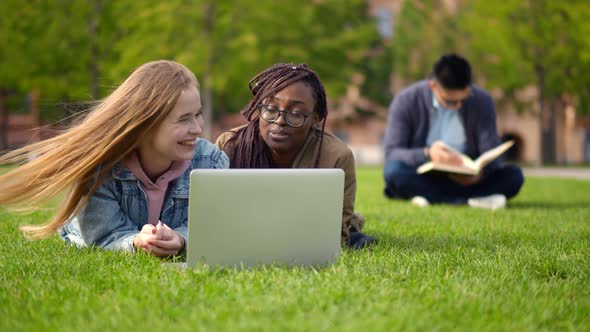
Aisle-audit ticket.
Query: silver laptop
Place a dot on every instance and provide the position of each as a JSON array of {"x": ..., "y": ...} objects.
[{"x": 250, "y": 217}]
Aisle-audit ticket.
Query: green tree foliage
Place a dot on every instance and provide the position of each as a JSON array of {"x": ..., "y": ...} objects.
[
  {"x": 50, "y": 47},
  {"x": 490, "y": 47},
  {"x": 74, "y": 49},
  {"x": 539, "y": 42},
  {"x": 516, "y": 42},
  {"x": 44, "y": 44},
  {"x": 377, "y": 71},
  {"x": 423, "y": 31},
  {"x": 508, "y": 42},
  {"x": 233, "y": 40},
  {"x": 512, "y": 41}
]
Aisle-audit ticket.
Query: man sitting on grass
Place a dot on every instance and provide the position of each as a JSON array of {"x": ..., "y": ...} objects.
[{"x": 428, "y": 120}]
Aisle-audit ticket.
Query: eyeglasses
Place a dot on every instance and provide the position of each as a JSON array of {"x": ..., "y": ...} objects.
[
  {"x": 452, "y": 102},
  {"x": 292, "y": 118}
]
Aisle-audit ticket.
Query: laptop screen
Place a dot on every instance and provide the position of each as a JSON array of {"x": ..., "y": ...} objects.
[{"x": 247, "y": 217}]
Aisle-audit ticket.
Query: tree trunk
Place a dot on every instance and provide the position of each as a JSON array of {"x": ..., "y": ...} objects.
[
  {"x": 94, "y": 50},
  {"x": 35, "y": 115},
  {"x": 4, "y": 114},
  {"x": 546, "y": 120},
  {"x": 548, "y": 138},
  {"x": 207, "y": 90}
]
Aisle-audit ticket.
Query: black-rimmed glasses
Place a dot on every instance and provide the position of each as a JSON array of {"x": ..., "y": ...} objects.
[{"x": 271, "y": 114}]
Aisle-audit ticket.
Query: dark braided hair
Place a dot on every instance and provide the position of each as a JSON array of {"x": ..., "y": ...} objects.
[{"x": 250, "y": 150}]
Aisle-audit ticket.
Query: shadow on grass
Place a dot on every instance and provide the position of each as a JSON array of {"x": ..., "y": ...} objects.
[
  {"x": 548, "y": 205},
  {"x": 513, "y": 205},
  {"x": 423, "y": 243},
  {"x": 449, "y": 243}
]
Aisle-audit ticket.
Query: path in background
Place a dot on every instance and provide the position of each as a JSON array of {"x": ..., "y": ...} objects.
[
  {"x": 561, "y": 172},
  {"x": 373, "y": 156}
]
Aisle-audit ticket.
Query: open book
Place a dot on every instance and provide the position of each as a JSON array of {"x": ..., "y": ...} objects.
[{"x": 469, "y": 167}]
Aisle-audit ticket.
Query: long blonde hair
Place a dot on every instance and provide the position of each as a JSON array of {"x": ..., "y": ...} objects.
[{"x": 107, "y": 134}]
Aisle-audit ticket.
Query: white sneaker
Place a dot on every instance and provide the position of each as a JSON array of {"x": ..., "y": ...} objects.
[
  {"x": 492, "y": 202},
  {"x": 420, "y": 201}
]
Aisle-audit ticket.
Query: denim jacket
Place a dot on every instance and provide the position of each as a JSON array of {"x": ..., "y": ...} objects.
[{"x": 118, "y": 210}]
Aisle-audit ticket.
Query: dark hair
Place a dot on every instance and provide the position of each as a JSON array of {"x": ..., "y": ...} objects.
[
  {"x": 250, "y": 150},
  {"x": 452, "y": 72}
]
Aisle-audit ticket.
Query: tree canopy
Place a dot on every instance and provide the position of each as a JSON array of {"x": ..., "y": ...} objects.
[{"x": 79, "y": 50}]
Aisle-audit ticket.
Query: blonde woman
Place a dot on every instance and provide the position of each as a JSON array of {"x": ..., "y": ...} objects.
[{"x": 124, "y": 168}]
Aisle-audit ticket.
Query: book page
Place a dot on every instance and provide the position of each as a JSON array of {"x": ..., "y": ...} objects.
[
  {"x": 488, "y": 156},
  {"x": 430, "y": 166}
]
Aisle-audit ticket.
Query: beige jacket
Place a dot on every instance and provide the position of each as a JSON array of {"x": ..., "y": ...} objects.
[{"x": 335, "y": 154}]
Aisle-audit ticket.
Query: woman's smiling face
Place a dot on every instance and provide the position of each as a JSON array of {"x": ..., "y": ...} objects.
[{"x": 175, "y": 136}]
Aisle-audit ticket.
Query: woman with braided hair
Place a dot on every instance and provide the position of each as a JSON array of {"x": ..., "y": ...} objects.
[{"x": 284, "y": 131}]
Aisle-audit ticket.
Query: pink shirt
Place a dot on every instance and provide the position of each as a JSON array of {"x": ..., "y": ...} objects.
[{"x": 155, "y": 192}]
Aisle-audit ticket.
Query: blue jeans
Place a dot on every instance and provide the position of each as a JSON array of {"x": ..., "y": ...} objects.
[{"x": 402, "y": 181}]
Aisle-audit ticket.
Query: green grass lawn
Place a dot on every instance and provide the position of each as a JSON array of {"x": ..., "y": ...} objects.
[{"x": 526, "y": 268}]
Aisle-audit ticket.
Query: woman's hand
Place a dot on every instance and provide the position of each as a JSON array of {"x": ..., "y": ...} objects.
[{"x": 159, "y": 240}]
